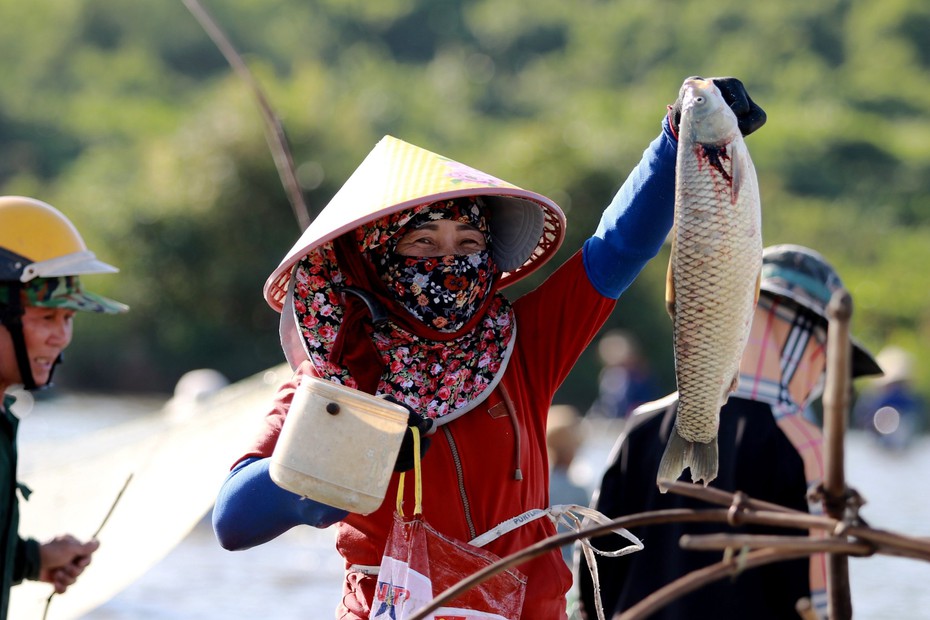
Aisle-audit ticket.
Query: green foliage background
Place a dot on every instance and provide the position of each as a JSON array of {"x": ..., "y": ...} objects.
[{"x": 126, "y": 117}]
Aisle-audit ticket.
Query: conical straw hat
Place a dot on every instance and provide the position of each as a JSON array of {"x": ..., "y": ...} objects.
[{"x": 526, "y": 228}]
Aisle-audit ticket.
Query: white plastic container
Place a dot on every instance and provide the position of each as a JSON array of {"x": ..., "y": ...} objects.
[{"x": 338, "y": 445}]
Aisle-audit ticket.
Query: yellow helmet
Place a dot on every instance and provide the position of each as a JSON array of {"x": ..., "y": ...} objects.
[
  {"x": 42, "y": 257},
  {"x": 38, "y": 241}
]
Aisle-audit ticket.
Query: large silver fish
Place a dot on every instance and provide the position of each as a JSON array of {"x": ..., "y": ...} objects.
[{"x": 713, "y": 276}]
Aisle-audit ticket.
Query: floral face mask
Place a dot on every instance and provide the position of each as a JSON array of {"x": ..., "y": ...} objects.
[{"x": 444, "y": 292}]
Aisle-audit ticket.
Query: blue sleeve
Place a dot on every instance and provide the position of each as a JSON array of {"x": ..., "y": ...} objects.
[
  {"x": 637, "y": 221},
  {"x": 251, "y": 509}
]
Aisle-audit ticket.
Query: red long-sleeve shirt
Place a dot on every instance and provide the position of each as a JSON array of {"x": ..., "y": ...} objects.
[{"x": 468, "y": 472}]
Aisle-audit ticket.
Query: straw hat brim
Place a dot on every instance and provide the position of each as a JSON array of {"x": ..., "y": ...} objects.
[{"x": 526, "y": 228}]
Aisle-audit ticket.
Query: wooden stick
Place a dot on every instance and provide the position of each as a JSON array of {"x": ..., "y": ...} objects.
[
  {"x": 836, "y": 406},
  {"x": 724, "y": 498},
  {"x": 719, "y": 542},
  {"x": 889, "y": 543},
  {"x": 872, "y": 542},
  {"x": 119, "y": 495},
  {"x": 112, "y": 507},
  {"x": 274, "y": 130},
  {"x": 836, "y": 403},
  {"x": 741, "y": 504},
  {"x": 696, "y": 579}
]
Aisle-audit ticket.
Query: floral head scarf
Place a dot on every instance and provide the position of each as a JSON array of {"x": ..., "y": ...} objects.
[{"x": 440, "y": 369}]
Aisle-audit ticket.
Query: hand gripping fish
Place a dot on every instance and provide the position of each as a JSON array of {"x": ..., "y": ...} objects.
[{"x": 713, "y": 274}]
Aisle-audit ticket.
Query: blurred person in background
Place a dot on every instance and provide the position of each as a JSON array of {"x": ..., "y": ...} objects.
[
  {"x": 768, "y": 449},
  {"x": 625, "y": 381},
  {"x": 889, "y": 406},
  {"x": 564, "y": 437},
  {"x": 42, "y": 257}
]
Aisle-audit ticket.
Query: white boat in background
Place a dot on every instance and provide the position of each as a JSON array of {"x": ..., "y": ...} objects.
[{"x": 177, "y": 458}]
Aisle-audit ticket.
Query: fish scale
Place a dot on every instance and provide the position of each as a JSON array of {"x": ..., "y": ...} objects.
[{"x": 713, "y": 274}]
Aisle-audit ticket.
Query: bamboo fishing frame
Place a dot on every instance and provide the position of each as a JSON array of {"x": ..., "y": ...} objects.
[{"x": 848, "y": 534}]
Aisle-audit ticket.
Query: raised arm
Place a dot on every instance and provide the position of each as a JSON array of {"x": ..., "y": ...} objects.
[{"x": 635, "y": 224}]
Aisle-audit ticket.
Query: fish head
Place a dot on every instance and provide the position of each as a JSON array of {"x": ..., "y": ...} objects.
[{"x": 705, "y": 116}]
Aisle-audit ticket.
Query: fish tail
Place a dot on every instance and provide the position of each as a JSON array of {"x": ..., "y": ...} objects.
[
  {"x": 680, "y": 454},
  {"x": 704, "y": 461},
  {"x": 676, "y": 457}
]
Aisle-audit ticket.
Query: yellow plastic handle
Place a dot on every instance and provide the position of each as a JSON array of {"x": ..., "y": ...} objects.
[{"x": 418, "y": 477}]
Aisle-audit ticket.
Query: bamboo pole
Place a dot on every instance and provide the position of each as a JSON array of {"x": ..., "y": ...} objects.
[
  {"x": 274, "y": 130},
  {"x": 106, "y": 518},
  {"x": 696, "y": 579},
  {"x": 890, "y": 543},
  {"x": 722, "y": 542},
  {"x": 724, "y": 498},
  {"x": 870, "y": 541},
  {"x": 836, "y": 407}
]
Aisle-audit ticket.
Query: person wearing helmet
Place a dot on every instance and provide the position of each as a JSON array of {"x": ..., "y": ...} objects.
[
  {"x": 769, "y": 449},
  {"x": 565, "y": 435},
  {"x": 396, "y": 290},
  {"x": 42, "y": 257}
]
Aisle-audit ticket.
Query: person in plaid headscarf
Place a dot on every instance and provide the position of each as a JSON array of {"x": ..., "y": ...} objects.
[
  {"x": 769, "y": 449},
  {"x": 42, "y": 257},
  {"x": 396, "y": 290}
]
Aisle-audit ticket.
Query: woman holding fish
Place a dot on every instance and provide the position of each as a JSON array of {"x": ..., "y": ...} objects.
[{"x": 396, "y": 290}]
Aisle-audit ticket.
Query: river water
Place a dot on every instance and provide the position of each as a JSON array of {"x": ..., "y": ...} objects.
[{"x": 299, "y": 575}]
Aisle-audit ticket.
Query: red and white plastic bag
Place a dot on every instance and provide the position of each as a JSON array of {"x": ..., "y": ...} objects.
[{"x": 420, "y": 563}]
